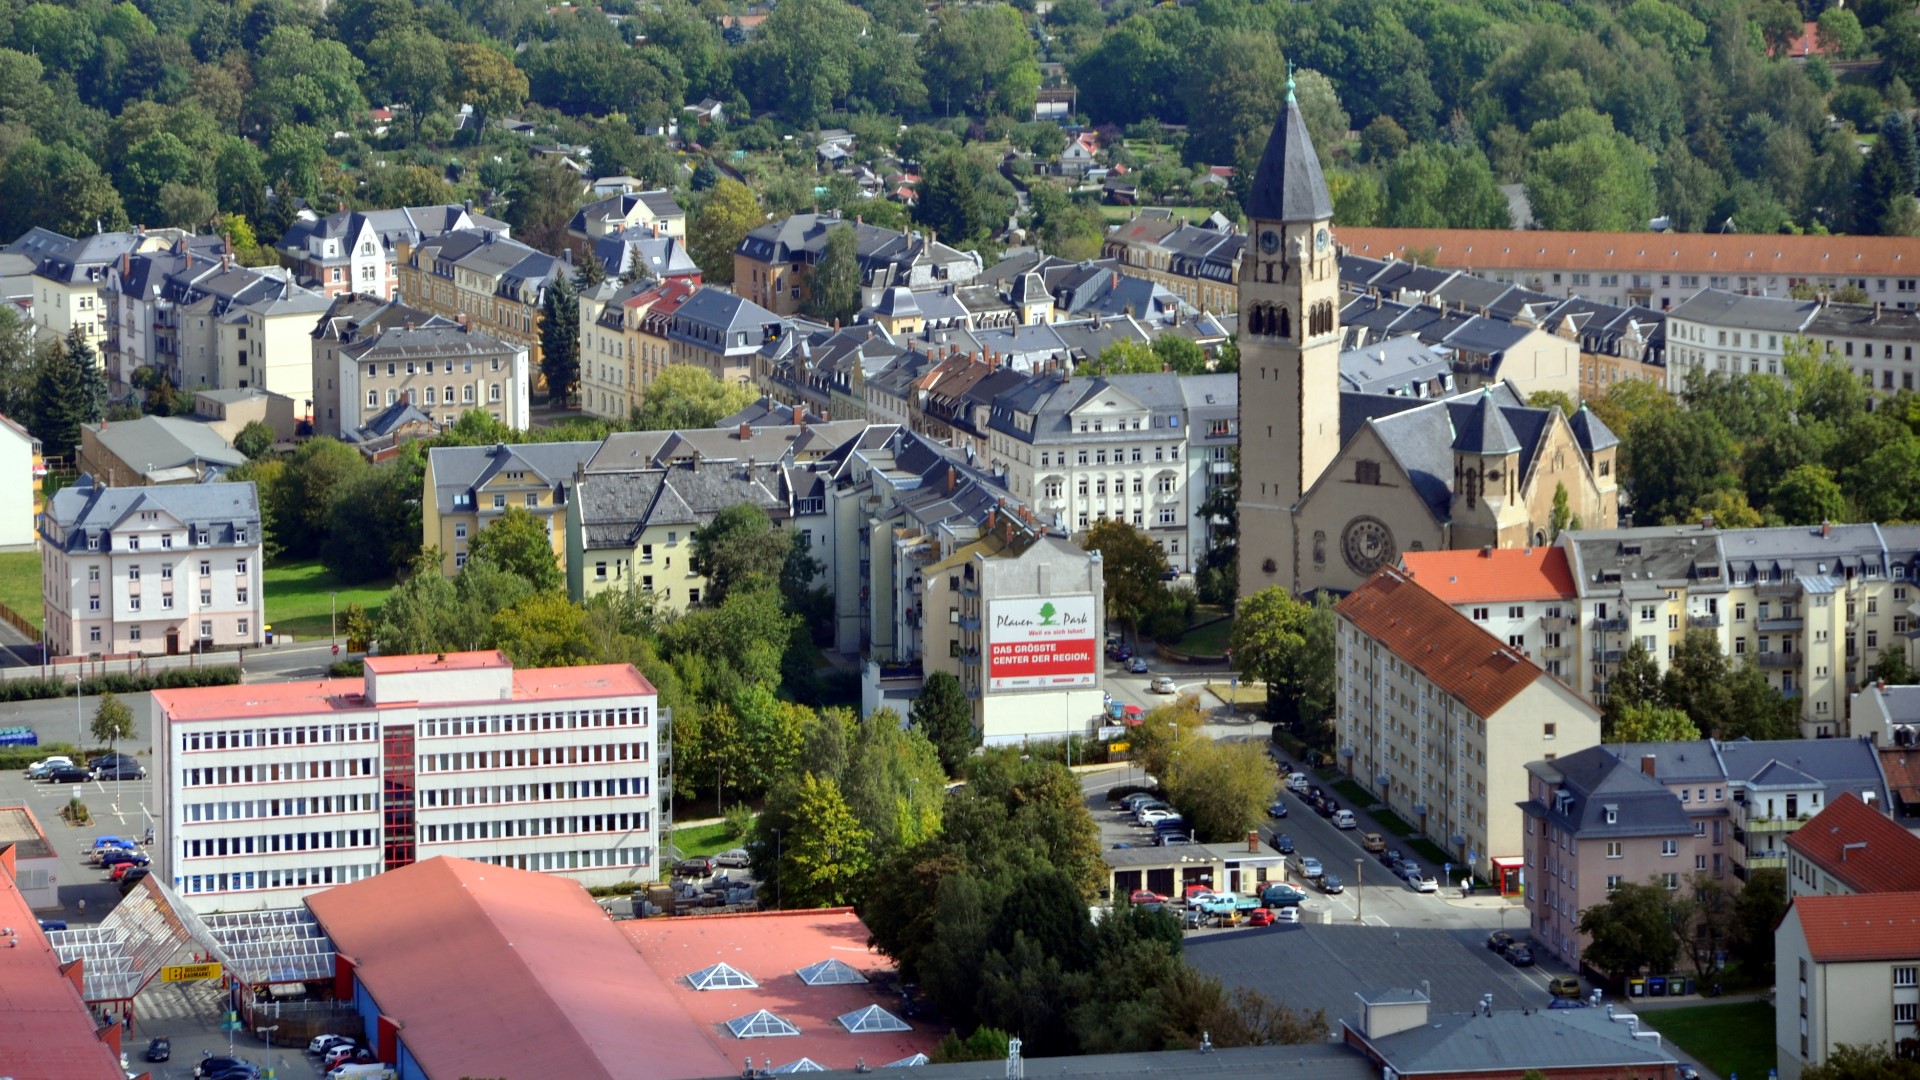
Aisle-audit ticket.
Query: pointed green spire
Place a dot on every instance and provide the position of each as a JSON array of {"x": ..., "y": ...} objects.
[{"x": 1289, "y": 80}]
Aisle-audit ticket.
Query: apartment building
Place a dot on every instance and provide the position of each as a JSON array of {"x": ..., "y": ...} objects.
[
  {"x": 1654, "y": 270},
  {"x": 68, "y": 281},
  {"x": 1200, "y": 264},
  {"x": 497, "y": 283},
  {"x": 1847, "y": 973},
  {"x": 623, "y": 342},
  {"x": 151, "y": 570},
  {"x": 269, "y": 793},
  {"x": 368, "y": 354},
  {"x": 826, "y": 370},
  {"x": 1438, "y": 718},
  {"x": 357, "y": 251},
  {"x": 655, "y": 211},
  {"x": 140, "y": 320},
  {"x": 1481, "y": 350},
  {"x": 1717, "y": 331},
  {"x": 719, "y": 331},
  {"x": 1849, "y": 847},
  {"x": 771, "y": 265},
  {"x": 467, "y": 487},
  {"x": 1522, "y": 596}
]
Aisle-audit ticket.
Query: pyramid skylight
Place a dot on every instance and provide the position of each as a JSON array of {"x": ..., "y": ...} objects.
[
  {"x": 802, "y": 1065},
  {"x": 872, "y": 1019},
  {"x": 760, "y": 1025},
  {"x": 721, "y": 977},
  {"x": 913, "y": 1062},
  {"x": 830, "y": 973}
]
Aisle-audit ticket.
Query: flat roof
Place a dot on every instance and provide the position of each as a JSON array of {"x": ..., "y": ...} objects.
[
  {"x": 454, "y": 661},
  {"x": 45, "y": 1026},
  {"x": 20, "y": 830},
  {"x": 260, "y": 700},
  {"x": 770, "y": 947}
]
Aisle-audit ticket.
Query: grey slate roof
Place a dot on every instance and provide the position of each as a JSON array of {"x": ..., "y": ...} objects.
[
  {"x": 1600, "y": 781},
  {"x": 1422, "y": 435},
  {"x": 1591, "y": 431},
  {"x": 1486, "y": 430},
  {"x": 1511, "y": 1041},
  {"x": 436, "y": 337},
  {"x": 1839, "y": 764},
  {"x": 459, "y": 470},
  {"x": 616, "y": 506},
  {"x": 1288, "y": 185},
  {"x": 1646, "y": 561},
  {"x": 156, "y": 443},
  {"x": 1748, "y": 312},
  {"x": 1393, "y": 366},
  {"x": 387, "y": 421},
  {"x": 86, "y": 508}
]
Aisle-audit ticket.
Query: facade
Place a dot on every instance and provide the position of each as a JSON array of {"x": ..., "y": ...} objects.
[
  {"x": 467, "y": 487},
  {"x": 1847, "y": 970},
  {"x": 548, "y": 769},
  {"x": 1850, "y": 847},
  {"x": 1594, "y": 821},
  {"x": 653, "y": 210},
  {"x": 1655, "y": 270},
  {"x": 368, "y": 355},
  {"x": 1438, "y": 719},
  {"x": 1522, "y": 596},
  {"x": 497, "y": 283},
  {"x": 623, "y": 343},
  {"x": 771, "y": 265},
  {"x": 69, "y": 281},
  {"x": 21, "y": 467},
  {"x": 1198, "y": 263},
  {"x": 719, "y": 331},
  {"x": 1480, "y": 349},
  {"x": 1718, "y": 331},
  {"x": 155, "y": 450},
  {"x": 151, "y": 570},
  {"x": 356, "y": 251}
]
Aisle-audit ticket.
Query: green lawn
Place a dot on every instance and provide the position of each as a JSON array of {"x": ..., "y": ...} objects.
[
  {"x": 1728, "y": 1039},
  {"x": 20, "y": 584},
  {"x": 1210, "y": 639},
  {"x": 300, "y": 598}
]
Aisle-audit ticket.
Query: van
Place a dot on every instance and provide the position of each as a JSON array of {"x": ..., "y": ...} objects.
[
  {"x": 372, "y": 1070},
  {"x": 1296, "y": 782},
  {"x": 1563, "y": 986}
]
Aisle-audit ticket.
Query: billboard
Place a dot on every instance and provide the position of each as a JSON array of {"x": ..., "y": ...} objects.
[{"x": 1042, "y": 643}]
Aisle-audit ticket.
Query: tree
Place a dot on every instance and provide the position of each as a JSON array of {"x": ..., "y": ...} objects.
[
  {"x": 541, "y": 201},
  {"x": 1652, "y": 723},
  {"x": 1636, "y": 684},
  {"x": 802, "y": 59},
  {"x": 1808, "y": 495},
  {"x": 518, "y": 543},
  {"x": 112, "y": 720},
  {"x": 1124, "y": 357},
  {"x": 302, "y": 79},
  {"x": 301, "y": 504},
  {"x": 413, "y": 67},
  {"x": 543, "y": 630},
  {"x": 685, "y": 396},
  {"x": 1288, "y": 645},
  {"x": 1633, "y": 930},
  {"x": 1183, "y": 355},
  {"x": 1839, "y": 33},
  {"x": 1221, "y": 788},
  {"x": 893, "y": 783},
  {"x": 982, "y": 60},
  {"x": 720, "y": 223},
  {"x": 1853, "y": 1061},
  {"x": 827, "y": 851},
  {"x": 485, "y": 78},
  {"x": 1595, "y": 183},
  {"x": 255, "y": 440},
  {"x": 1438, "y": 186},
  {"x": 1686, "y": 459},
  {"x": 374, "y": 529},
  {"x": 739, "y": 549},
  {"x": 58, "y": 187},
  {"x": 944, "y": 716},
  {"x": 1131, "y": 565},
  {"x": 68, "y": 392},
  {"x": 1756, "y": 911},
  {"x": 560, "y": 338},
  {"x": 833, "y": 287},
  {"x": 962, "y": 196}
]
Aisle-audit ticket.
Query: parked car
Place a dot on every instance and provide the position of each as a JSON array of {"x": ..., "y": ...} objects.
[
  {"x": 49, "y": 925},
  {"x": 1149, "y": 817},
  {"x": 1146, "y": 896},
  {"x": 1577, "y": 1003},
  {"x": 338, "y": 1054},
  {"x": 323, "y": 1043},
  {"x": 1122, "y": 846},
  {"x": 1331, "y": 883},
  {"x": 1499, "y": 941},
  {"x": 101, "y": 843},
  {"x": 1424, "y": 882},
  {"x": 68, "y": 774},
  {"x": 1519, "y": 956},
  {"x": 159, "y": 1048},
  {"x": 733, "y": 858},
  {"x": 1407, "y": 870},
  {"x": 131, "y": 878},
  {"x": 1163, "y": 684},
  {"x": 1283, "y": 843},
  {"x": 1261, "y": 917},
  {"x": 1286, "y": 915},
  {"x": 116, "y": 856},
  {"x": 1566, "y": 986},
  {"x": 1281, "y": 894},
  {"x": 1297, "y": 782},
  {"x": 39, "y": 769},
  {"x": 119, "y": 770},
  {"x": 1344, "y": 819},
  {"x": 1133, "y": 802},
  {"x": 696, "y": 866},
  {"x": 1373, "y": 842},
  {"x": 1277, "y": 810},
  {"x": 1310, "y": 867},
  {"x": 121, "y": 870},
  {"x": 1328, "y": 807},
  {"x": 207, "y": 1066},
  {"x": 1195, "y": 891},
  {"x": 1137, "y": 665},
  {"x": 1172, "y": 839},
  {"x": 1174, "y": 824},
  {"x": 1390, "y": 858}
]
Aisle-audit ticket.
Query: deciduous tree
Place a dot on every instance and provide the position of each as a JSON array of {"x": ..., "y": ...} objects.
[
  {"x": 833, "y": 287},
  {"x": 518, "y": 543},
  {"x": 1652, "y": 723},
  {"x": 1632, "y": 931},
  {"x": 740, "y": 548},
  {"x": 112, "y": 720},
  {"x": 722, "y": 220},
  {"x": 1289, "y": 645},
  {"x": 944, "y": 716},
  {"x": 1131, "y": 565}
]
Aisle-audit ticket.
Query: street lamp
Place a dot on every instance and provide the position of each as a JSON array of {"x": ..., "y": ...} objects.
[
  {"x": 79, "y": 726},
  {"x": 333, "y": 620},
  {"x": 1359, "y": 894}
]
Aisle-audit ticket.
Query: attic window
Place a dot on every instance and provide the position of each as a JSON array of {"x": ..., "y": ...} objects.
[{"x": 1613, "y": 815}]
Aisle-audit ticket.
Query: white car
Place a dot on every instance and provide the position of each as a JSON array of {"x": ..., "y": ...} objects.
[
  {"x": 41, "y": 768},
  {"x": 323, "y": 1043},
  {"x": 1163, "y": 684},
  {"x": 1424, "y": 883},
  {"x": 1344, "y": 819},
  {"x": 1152, "y": 817},
  {"x": 1286, "y": 914}
]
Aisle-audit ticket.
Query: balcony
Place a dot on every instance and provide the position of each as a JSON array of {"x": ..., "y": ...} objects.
[
  {"x": 1780, "y": 659},
  {"x": 970, "y": 658},
  {"x": 1615, "y": 625},
  {"x": 1788, "y": 587},
  {"x": 1783, "y": 623},
  {"x": 1556, "y": 622},
  {"x": 1608, "y": 656},
  {"x": 970, "y": 623},
  {"x": 1776, "y": 824},
  {"x": 1707, "y": 621}
]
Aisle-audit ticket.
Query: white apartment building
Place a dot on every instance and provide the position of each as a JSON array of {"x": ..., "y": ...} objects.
[
  {"x": 151, "y": 570},
  {"x": 1847, "y": 972},
  {"x": 1727, "y": 332},
  {"x": 270, "y": 793}
]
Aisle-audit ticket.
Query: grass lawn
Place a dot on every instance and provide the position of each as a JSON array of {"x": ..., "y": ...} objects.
[
  {"x": 20, "y": 584},
  {"x": 300, "y": 598},
  {"x": 1209, "y": 639},
  {"x": 1356, "y": 796},
  {"x": 1726, "y": 1038},
  {"x": 1254, "y": 694}
]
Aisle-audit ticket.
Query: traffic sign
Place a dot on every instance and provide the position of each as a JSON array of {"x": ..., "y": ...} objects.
[{"x": 189, "y": 972}]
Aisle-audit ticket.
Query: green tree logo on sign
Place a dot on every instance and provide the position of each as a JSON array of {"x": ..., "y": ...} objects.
[{"x": 1046, "y": 614}]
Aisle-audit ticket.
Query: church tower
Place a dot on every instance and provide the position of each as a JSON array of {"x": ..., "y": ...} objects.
[{"x": 1289, "y": 351}]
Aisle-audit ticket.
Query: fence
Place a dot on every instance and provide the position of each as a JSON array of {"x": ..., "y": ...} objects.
[
  {"x": 66, "y": 667},
  {"x": 19, "y": 622}
]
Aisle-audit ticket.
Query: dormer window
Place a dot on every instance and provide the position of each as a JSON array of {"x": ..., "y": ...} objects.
[{"x": 1613, "y": 815}]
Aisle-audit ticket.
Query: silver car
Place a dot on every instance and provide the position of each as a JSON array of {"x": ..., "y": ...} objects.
[{"x": 1310, "y": 867}]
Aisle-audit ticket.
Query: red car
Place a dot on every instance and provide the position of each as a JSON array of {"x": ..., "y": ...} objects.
[
  {"x": 119, "y": 871},
  {"x": 1147, "y": 896},
  {"x": 1260, "y": 917}
]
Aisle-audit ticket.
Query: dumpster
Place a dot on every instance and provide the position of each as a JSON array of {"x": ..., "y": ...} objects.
[
  {"x": 1657, "y": 986},
  {"x": 1686, "y": 986},
  {"x": 1636, "y": 988}
]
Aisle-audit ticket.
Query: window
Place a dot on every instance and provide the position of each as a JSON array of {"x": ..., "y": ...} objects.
[
  {"x": 1671, "y": 881},
  {"x": 1905, "y": 976},
  {"x": 206, "y": 628},
  {"x": 533, "y": 499},
  {"x": 1480, "y": 614},
  {"x": 1615, "y": 851},
  {"x": 1647, "y": 613},
  {"x": 1517, "y": 611},
  {"x": 240, "y": 627},
  {"x": 133, "y": 634},
  {"x": 1903, "y": 1012},
  {"x": 1546, "y": 731},
  {"x": 499, "y": 502},
  {"x": 93, "y": 634},
  {"x": 133, "y": 573},
  {"x": 240, "y": 566},
  {"x": 1613, "y": 882},
  {"x": 460, "y": 531},
  {"x": 1669, "y": 847}
]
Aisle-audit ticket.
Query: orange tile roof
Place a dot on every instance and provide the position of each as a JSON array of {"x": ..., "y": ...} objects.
[
  {"x": 1496, "y": 576},
  {"x": 46, "y": 1030},
  {"x": 1444, "y": 645},
  {"x": 1902, "y": 766},
  {"x": 1718, "y": 253},
  {"x": 499, "y": 972},
  {"x": 769, "y": 947},
  {"x": 453, "y": 661},
  {"x": 1890, "y": 861},
  {"x": 1874, "y": 926},
  {"x": 349, "y": 695}
]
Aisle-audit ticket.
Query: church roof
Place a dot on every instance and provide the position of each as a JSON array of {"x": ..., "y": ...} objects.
[
  {"x": 1591, "y": 431},
  {"x": 1486, "y": 430},
  {"x": 1288, "y": 186}
]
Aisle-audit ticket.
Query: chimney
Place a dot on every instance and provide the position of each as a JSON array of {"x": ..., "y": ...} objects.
[
  {"x": 1826, "y": 528},
  {"x": 126, "y": 263},
  {"x": 1650, "y": 764},
  {"x": 1253, "y": 842},
  {"x": 953, "y": 479},
  {"x": 746, "y": 432},
  {"x": 799, "y": 416},
  {"x": 1486, "y": 552}
]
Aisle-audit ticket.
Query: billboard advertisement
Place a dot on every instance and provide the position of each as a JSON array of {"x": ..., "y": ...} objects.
[{"x": 1042, "y": 644}]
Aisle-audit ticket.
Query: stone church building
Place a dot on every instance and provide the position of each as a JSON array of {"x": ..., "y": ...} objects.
[{"x": 1335, "y": 485}]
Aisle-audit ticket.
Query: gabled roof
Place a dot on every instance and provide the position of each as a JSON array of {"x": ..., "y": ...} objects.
[
  {"x": 1486, "y": 431},
  {"x": 1288, "y": 185},
  {"x": 1860, "y": 928},
  {"x": 1606, "y": 797},
  {"x": 1500, "y": 575},
  {"x": 1510, "y": 1042},
  {"x": 1447, "y": 647},
  {"x": 1859, "y": 847}
]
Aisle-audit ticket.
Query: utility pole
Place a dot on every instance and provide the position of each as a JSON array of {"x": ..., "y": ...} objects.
[{"x": 1359, "y": 894}]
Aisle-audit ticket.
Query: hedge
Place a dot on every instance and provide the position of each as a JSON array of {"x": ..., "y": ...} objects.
[{"x": 41, "y": 686}]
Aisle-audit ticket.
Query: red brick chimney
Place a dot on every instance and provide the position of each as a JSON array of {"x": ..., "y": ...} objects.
[
  {"x": 799, "y": 416},
  {"x": 953, "y": 479},
  {"x": 1650, "y": 764},
  {"x": 746, "y": 432}
]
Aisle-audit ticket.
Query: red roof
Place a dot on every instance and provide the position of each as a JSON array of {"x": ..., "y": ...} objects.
[
  {"x": 1860, "y": 847},
  {"x": 1874, "y": 926},
  {"x": 453, "y": 661},
  {"x": 1497, "y": 576},
  {"x": 770, "y": 947},
  {"x": 1444, "y": 645},
  {"x": 1480, "y": 250},
  {"x": 349, "y": 695},
  {"x": 46, "y": 1029},
  {"x": 1902, "y": 766},
  {"x": 470, "y": 959}
]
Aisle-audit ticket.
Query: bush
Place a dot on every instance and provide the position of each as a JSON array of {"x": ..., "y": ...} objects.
[
  {"x": 18, "y": 758},
  {"x": 739, "y": 818},
  {"x": 347, "y": 669},
  {"x": 37, "y": 687}
]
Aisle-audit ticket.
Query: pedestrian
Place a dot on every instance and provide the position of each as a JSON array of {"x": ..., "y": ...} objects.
[{"x": 83, "y": 905}]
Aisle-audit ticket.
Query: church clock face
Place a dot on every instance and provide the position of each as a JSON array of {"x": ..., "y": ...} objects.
[
  {"x": 1269, "y": 241},
  {"x": 1321, "y": 239},
  {"x": 1367, "y": 544}
]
